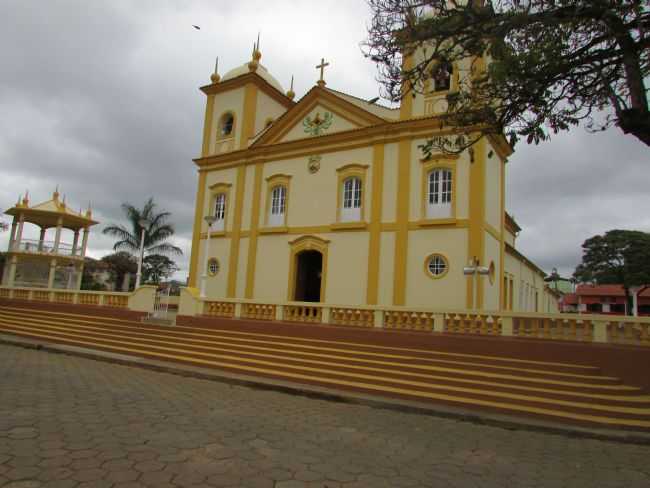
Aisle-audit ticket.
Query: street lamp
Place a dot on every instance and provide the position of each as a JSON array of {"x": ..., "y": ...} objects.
[
  {"x": 209, "y": 219},
  {"x": 143, "y": 224},
  {"x": 473, "y": 269}
]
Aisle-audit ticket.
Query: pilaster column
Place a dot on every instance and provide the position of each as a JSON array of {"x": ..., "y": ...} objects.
[
  {"x": 41, "y": 239},
  {"x": 50, "y": 278},
  {"x": 84, "y": 242},
  {"x": 57, "y": 238},
  {"x": 75, "y": 242},
  {"x": 12, "y": 236},
  {"x": 19, "y": 238}
]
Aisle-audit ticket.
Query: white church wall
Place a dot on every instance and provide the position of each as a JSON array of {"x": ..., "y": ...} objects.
[
  {"x": 266, "y": 108},
  {"x": 386, "y": 264},
  {"x": 272, "y": 267},
  {"x": 227, "y": 176},
  {"x": 219, "y": 249},
  {"x": 347, "y": 268},
  {"x": 448, "y": 291},
  {"x": 230, "y": 101}
]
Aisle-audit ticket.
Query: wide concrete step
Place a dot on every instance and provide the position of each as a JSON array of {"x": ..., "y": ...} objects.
[{"x": 559, "y": 391}]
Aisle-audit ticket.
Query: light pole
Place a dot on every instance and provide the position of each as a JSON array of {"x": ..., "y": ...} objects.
[
  {"x": 474, "y": 270},
  {"x": 143, "y": 223},
  {"x": 209, "y": 219}
]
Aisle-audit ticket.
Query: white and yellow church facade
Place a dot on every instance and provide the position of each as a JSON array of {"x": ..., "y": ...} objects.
[{"x": 330, "y": 199}]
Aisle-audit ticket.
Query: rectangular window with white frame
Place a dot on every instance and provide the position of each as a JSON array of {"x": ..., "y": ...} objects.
[
  {"x": 278, "y": 206},
  {"x": 439, "y": 193},
  {"x": 352, "y": 195},
  {"x": 219, "y": 211}
]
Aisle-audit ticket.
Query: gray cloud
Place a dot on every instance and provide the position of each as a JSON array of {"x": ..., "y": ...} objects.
[{"x": 102, "y": 98}]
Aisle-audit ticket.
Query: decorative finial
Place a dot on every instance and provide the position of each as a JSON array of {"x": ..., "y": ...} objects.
[
  {"x": 89, "y": 212},
  {"x": 20, "y": 197},
  {"x": 291, "y": 94},
  {"x": 63, "y": 202},
  {"x": 26, "y": 198},
  {"x": 255, "y": 57},
  {"x": 321, "y": 66},
  {"x": 55, "y": 195},
  {"x": 214, "y": 77}
]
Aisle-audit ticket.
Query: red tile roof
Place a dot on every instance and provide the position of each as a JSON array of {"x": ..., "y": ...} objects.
[{"x": 605, "y": 290}]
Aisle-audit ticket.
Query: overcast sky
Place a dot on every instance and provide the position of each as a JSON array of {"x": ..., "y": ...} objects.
[{"x": 102, "y": 99}]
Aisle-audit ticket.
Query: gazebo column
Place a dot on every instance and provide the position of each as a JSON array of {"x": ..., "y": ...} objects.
[
  {"x": 50, "y": 278},
  {"x": 41, "y": 239},
  {"x": 57, "y": 238},
  {"x": 75, "y": 242},
  {"x": 84, "y": 242},
  {"x": 12, "y": 236},
  {"x": 19, "y": 237},
  {"x": 79, "y": 276},
  {"x": 9, "y": 273}
]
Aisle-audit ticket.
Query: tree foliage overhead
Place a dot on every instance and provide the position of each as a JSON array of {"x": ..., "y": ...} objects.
[
  {"x": 552, "y": 63},
  {"x": 617, "y": 257},
  {"x": 157, "y": 267},
  {"x": 156, "y": 232}
]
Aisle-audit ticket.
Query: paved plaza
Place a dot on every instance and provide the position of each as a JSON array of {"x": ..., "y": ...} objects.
[{"x": 67, "y": 421}]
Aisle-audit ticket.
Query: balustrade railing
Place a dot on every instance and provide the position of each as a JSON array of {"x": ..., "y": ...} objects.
[
  {"x": 77, "y": 297},
  {"x": 589, "y": 328},
  {"x": 46, "y": 247}
]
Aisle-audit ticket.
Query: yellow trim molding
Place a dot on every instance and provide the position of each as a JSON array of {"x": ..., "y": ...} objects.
[
  {"x": 207, "y": 126},
  {"x": 476, "y": 234},
  {"x": 428, "y": 272},
  {"x": 374, "y": 241},
  {"x": 245, "y": 79},
  {"x": 402, "y": 217},
  {"x": 248, "y": 119},
  {"x": 307, "y": 243},
  {"x": 196, "y": 233},
  {"x": 345, "y": 172},
  {"x": 251, "y": 262},
  {"x": 233, "y": 263}
]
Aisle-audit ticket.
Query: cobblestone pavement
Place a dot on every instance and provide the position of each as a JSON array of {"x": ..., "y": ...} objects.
[{"x": 72, "y": 422}]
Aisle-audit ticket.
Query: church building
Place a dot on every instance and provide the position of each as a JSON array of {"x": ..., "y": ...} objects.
[{"x": 330, "y": 199}]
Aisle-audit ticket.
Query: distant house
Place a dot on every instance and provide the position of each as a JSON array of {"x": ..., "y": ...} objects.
[{"x": 606, "y": 299}]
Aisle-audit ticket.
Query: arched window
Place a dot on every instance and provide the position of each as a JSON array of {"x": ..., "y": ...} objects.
[
  {"x": 226, "y": 124},
  {"x": 278, "y": 205},
  {"x": 219, "y": 211},
  {"x": 441, "y": 75},
  {"x": 439, "y": 193},
  {"x": 352, "y": 194}
]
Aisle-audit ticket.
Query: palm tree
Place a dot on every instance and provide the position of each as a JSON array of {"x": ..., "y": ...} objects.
[{"x": 156, "y": 232}]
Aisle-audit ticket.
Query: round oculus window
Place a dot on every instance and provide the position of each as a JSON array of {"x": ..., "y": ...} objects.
[
  {"x": 437, "y": 266},
  {"x": 213, "y": 266}
]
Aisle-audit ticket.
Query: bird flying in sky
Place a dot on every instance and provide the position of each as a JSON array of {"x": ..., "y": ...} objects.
[{"x": 196, "y": 27}]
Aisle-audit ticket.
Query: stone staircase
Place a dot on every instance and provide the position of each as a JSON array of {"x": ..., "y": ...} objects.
[{"x": 386, "y": 364}]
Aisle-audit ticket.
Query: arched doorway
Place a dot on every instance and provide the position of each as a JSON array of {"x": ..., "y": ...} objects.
[
  {"x": 309, "y": 274},
  {"x": 308, "y": 269}
]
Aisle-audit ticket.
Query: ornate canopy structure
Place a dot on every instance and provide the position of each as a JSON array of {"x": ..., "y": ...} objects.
[{"x": 46, "y": 263}]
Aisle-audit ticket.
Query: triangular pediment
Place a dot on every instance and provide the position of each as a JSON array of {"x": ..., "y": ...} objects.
[{"x": 318, "y": 113}]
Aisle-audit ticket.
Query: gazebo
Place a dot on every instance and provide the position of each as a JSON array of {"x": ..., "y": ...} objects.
[{"x": 42, "y": 263}]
